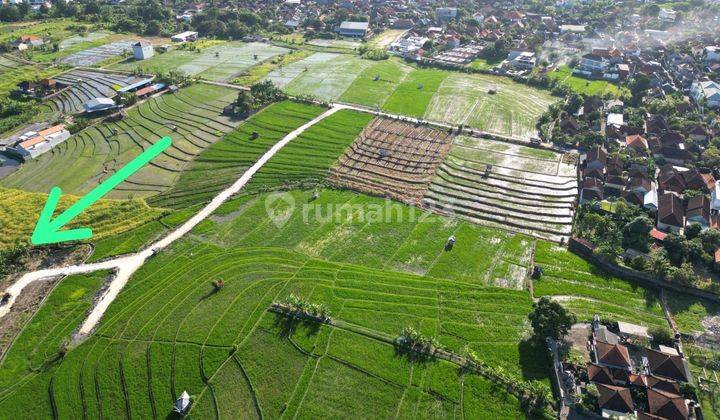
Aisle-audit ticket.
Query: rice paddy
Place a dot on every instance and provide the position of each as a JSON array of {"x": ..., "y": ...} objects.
[
  {"x": 221, "y": 62},
  {"x": 19, "y": 211},
  {"x": 192, "y": 118}
]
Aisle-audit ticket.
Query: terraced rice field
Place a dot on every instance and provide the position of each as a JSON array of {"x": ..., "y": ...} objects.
[
  {"x": 19, "y": 211},
  {"x": 586, "y": 290},
  {"x": 8, "y": 62},
  {"x": 220, "y": 165},
  {"x": 192, "y": 117},
  {"x": 167, "y": 332},
  {"x": 84, "y": 85},
  {"x": 512, "y": 110},
  {"x": 392, "y": 159},
  {"x": 302, "y": 163},
  {"x": 528, "y": 190},
  {"x": 221, "y": 62},
  {"x": 95, "y": 55},
  {"x": 323, "y": 75}
]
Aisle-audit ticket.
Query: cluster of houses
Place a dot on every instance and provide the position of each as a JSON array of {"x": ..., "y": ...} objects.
[
  {"x": 634, "y": 377},
  {"x": 678, "y": 195}
]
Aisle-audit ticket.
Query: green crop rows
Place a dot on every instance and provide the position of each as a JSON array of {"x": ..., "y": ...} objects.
[{"x": 192, "y": 117}]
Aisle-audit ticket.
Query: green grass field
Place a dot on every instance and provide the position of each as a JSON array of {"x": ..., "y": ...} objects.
[
  {"x": 584, "y": 86},
  {"x": 376, "y": 83},
  {"x": 192, "y": 118},
  {"x": 222, "y": 163},
  {"x": 586, "y": 290}
]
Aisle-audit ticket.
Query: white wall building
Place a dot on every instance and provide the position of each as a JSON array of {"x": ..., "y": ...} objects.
[
  {"x": 142, "y": 50},
  {"x": 185, "y": 36},
  {"x": 708, "y": 90}
]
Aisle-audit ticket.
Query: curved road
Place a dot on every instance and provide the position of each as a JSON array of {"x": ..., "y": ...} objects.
[{"x": 127, "y": 265}]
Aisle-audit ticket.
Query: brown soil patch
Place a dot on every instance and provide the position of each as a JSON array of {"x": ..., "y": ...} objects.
[
  {"x": 29, "y": 301},
  {"x": 392, "y": 159}
]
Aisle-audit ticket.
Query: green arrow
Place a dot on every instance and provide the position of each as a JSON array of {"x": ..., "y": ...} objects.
[{"x": 47, "y": 231}]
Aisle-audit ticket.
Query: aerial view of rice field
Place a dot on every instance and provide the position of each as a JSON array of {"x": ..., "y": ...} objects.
[{"x": 319, "y": 210}]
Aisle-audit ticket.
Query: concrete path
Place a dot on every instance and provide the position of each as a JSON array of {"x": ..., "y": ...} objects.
[{"x": 127, "y": 265}]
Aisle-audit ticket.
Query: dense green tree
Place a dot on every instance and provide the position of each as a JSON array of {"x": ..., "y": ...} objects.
[
  {"x": 677, "y": 249},
  {"x": 550, "y": 319}
]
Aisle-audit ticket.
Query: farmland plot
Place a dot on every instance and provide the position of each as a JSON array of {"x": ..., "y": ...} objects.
[
  {"x": 167, "y": 332},
  {"x": 528, "y": 190},
  {"x": 587, "y": 290},
  {"x": 466, "y": 99},
  {"x": 324, "y": 75},
  {"x": 79, "y": 39},
  {"x": 221, "y": 62},
  {"x": 376, "y": 83},
  {"x": 414, "y": 94},
  {"x": 192, "y": 117},
  {"x": 95, "y": 55},
  {"x": 85, "y": 85},
  {"x": 220, "y": 164},
  {"x": 392, "y": 159},
  {"x": 19, "y": 210}
]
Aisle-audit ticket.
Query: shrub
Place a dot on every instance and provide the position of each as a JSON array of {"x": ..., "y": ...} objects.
[{"x": 661, "y": 335}]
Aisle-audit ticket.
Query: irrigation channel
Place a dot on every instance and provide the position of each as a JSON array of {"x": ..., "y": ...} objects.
[{"x": 127, "y": 265}]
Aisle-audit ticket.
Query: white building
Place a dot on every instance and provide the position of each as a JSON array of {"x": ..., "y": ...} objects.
[
  {"x": 98, "y": 104},
  {"x": 444, "y": 14},
  {"x": 32, "y": 144},
  {"x": 708, "y": 90},
  {"x": 408, "y": 45},
  {"x": 479, "y": 18},
  {"x": 524, "y": 60},
  {"x": 593, "y": 63},
  {"x": 572, "y": 29},
  {"x": 667, "y": 15},
  {"x": 185, "y": 36},
  {"x": 143, "y": 50},
  {"x": 715, "y": 198}
]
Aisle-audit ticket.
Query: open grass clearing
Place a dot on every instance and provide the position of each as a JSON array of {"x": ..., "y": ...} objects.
[
  {"x": 585, "y": 86},
  {"x": 587, "y": 290},
  {"x": 385, "y": 38}
]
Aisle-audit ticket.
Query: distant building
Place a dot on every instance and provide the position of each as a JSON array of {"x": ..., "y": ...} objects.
[
  {"x": 707, "y": 90},
  {"x": 572, "y": 29},
  {"x": 525, "y": 60},
  {"x": 445, "y": 14},
  {"x": 185, "y": 36},
  {"x": 711, "y": 53},
  {"x": 403, "y": 24},
  {"x": 667, "y": 15},
  {"x": 32, "y": 144},
  {"x": 98, "y": 104},
  {"x": 142, "y": 50},
  {"x": 354, "y": 29}
]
